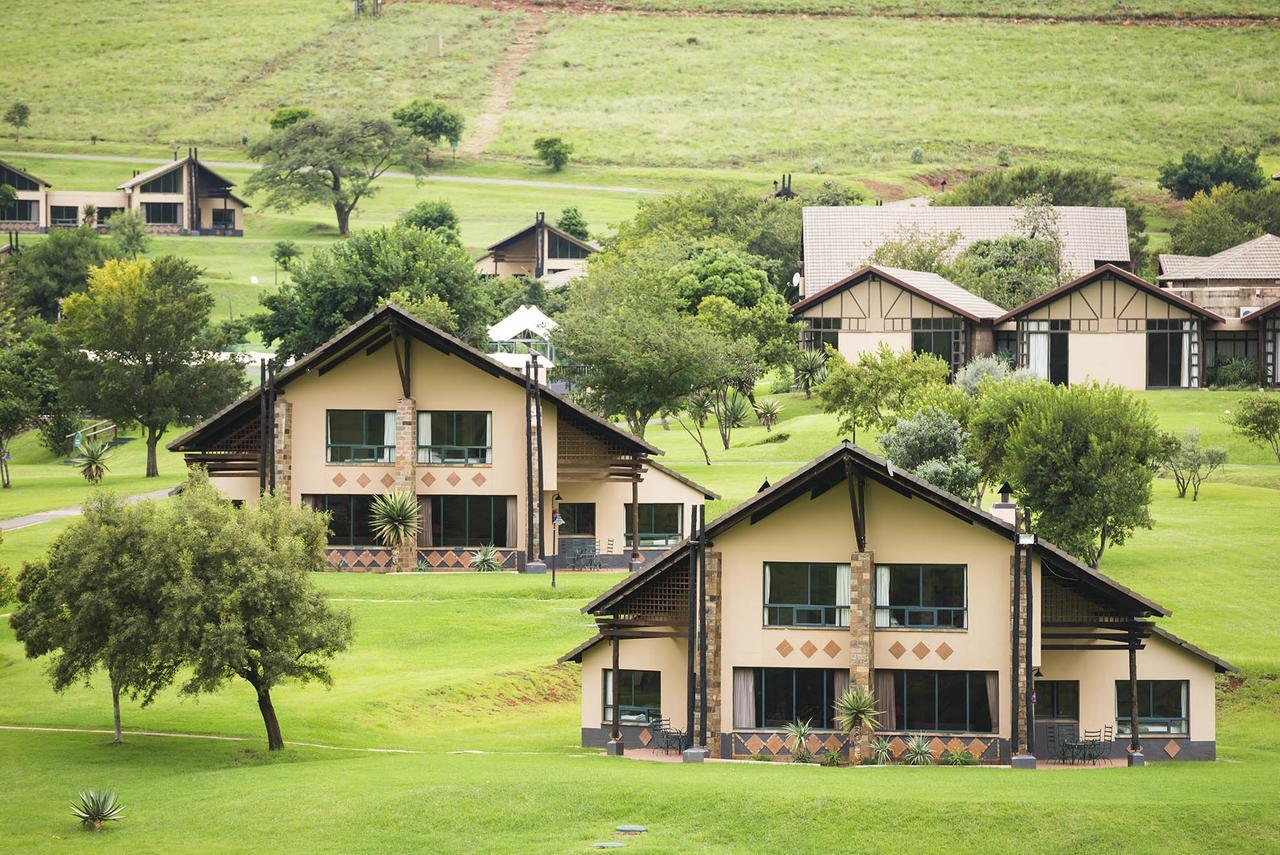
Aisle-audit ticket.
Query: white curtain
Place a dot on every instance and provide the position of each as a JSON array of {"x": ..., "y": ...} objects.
[
  {"x": 744, "y": 697},
  {"x": 841, "y": 683},
  {"x": 882, "y": 596},
  {"x": 843, "y": 593},
  {"x": 1186, "y": 356},
  {"x": 1038, "y": 354},
  {"x": 388, "y": 437},
  {"x": 1273, "y": 373},
  {"x": 767, "y": 572}
]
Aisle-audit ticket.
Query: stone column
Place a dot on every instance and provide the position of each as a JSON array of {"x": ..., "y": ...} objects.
[
  {"x": 406, "y": 472},
  {"x": 861, "y": 618},
  {"x": 715, "y": 710},
  {"x": 1018, "y": 677},
  {"x": 283, "y": 449}
]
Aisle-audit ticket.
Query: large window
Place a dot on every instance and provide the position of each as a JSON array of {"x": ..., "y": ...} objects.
[
  {"x": 784, "y": 695},
  {"x": 20, "y": 211},
  {"x": 945, "y": 701},
  {"x": 660, "y": 524},
  {"x": 161, "y": 213},
  {"x": 455, "y": 438},
  {"x": 16, "y": 181},
  {"x": 921, "y": 596},
  {"x": 1045, "y": 349},
  {"x": 1058, "y": 699},
  {"x": 64, "y": 216},
  {"x": 579, "y": 519},
  {"x": 1162, "y": 707},
  {"x": 105, "y": 214},
  {"x": 348, "y": 519},
  {"x": 1169, "y": 353},
  {"x": 469, "y": 521},
  {"x": 798, "y": 594},
  {"x": 820, "y": 332},
  {"x": 639, "y": 696},
  {"x": 223, "y": 218},
  {"x": 558, "y": 247},
  {"x": 942, "y": 337},
  {"x": 170, "y": 182},
  {"x": 361, "y": 436}
]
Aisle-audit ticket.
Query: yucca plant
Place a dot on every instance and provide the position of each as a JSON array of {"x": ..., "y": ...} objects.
[
  {"x": 394, "y": 518},
  {"x": 92, "y": 459},
  {"x": 809, "y": 368},
  {"x": 94, "y": 808},
  {"x": 486, "y": 559},
  {"x": 959, "y": 757},
  {"x": 732, "y": 411},
  {"x": 881, "y": 753},
  {"x": 856, "y": 711},
  {"x": 798, "y": 732},
  {"x": 767, "y": 410},
  {"x": 917, "y": 752}
]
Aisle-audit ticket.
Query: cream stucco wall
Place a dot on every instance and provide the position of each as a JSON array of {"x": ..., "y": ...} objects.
[
  {"x": 243, "y": 488},
  {"x": 669, "y": 656},
  {"x": 1119, "y": 358},
  {"x": 612, "y": 497},
  {"x": 853, "y": 344},
  {"x": 207, "y": 206}
]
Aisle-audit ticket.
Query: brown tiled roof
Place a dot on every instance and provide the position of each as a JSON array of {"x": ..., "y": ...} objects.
[
  {"x": 1253, "y": 317},
  {"x": 838, "y": 241},
  {"x": 930, "y": 286},
  {"x": 1255, "y": 259}
]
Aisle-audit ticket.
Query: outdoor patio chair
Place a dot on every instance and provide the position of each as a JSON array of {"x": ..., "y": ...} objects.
[
  {"x": 1061, "y": 742},
  {"x": 1091, "y": 746}
]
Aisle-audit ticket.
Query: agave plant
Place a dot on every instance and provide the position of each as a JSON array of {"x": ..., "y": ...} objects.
[
  {"x": 830, "y": 758},
  {"x": 959, "y": 757},
  {"x": 856, "y": 711},
  {"x": 881, "y": 753},
  {"x": 486, "y": 559},
  {"x": 92, "y": 459},
  {"x": 94, "y": 808},
  {"x": 767, "y": 410},
  {"x": 394, "y": 518},
  {"x": 917, "y": 752},
  {"x": 798, "y": 732},
  {"x": 809, "y": 368}
]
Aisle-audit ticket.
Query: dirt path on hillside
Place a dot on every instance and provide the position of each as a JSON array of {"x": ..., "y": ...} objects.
[{"x": 484, "y": 130}]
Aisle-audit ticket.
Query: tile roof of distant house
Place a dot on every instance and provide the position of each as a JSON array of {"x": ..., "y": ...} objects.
[
  {"x": 1255, "y": 259},
  {"x": 1124, "y": 276},
  {"x": 931, "y": 286},
  {"x": 840, "y": 240}
]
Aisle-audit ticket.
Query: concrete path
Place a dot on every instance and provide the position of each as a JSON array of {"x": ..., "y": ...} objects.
[
  {"x": 449, "y": 179},
  {"x": 47, "y": 516}
]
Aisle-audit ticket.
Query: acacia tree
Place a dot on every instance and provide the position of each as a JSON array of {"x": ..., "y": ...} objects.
[
  {"x": 97, "y": 600},
  {"x": 332, "y": 162},
  {"x": 1189, "y": 462},
  {"x": 1257, "y": 419},
  {"x": 243, "y": 603},
  {"x": 431, "y": 122},
  {"x": 17, "y": 410},
  {"x": 138, "y": 346}
]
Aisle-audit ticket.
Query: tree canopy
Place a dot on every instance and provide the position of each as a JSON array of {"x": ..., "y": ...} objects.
[
  {"x": 283, "y": 117},
  {"x": 876, "y": 389},
  {"x": 572, "y": 221},
  {"x": 39, "y": 277},
  {"x": 433, "y": 215},
  {"x": 1222, "y": 218},
  {"x": 432, "y": 122},
  {"x": 1199, "y": 173}
]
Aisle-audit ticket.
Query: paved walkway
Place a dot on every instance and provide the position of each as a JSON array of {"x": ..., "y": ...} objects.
[
  {"x": 59, "y": 513},
  {"x": 451, "y": 179}
]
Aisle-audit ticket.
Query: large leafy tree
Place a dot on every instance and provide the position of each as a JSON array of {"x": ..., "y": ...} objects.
[
  {"x": 931, "y": 444},
  {"x": 18, "y": 408},
  {"x": 97, "y": 601},
  {"x": 877, "y": 387},
  {"x": 138, "y": 346},
  {"x": 1001, "y": 402},
  {"x": 432, "y": 122},
  {"x": 44, "y": 273},
  {"x": 1008, "y": 270},
  {"x": 1082, "y": 459},
  {"x": 336, "y": 286},
  {"x": 243, "y": 603},
  {"x": 1199, "y": 173},
  {"x": 333, "y": 162},
  {"x": 1215, "y": 220}
]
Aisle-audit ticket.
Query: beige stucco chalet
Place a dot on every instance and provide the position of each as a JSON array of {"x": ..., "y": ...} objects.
[
  {"x": 539, "y": 250},
  {"x": 393, "y": 404},
  {"x": 850, "y": 571}
]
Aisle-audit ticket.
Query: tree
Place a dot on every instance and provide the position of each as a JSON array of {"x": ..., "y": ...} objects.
[
  {"x": 29, "y": 373},
  {"x": 720, "y": 271},
  {"x": 429, "y": 309},
  {"x": 874, "y": 389},
  {"x": 340, "y": 284},
  {"x": 1200, "y": 173},
  {"x": 47, "y": 271},
  {"x": 17, "y": 117},
  {"x": 283, "y": 253},
  {"x": 138, "y": 347},
  {"x": 395, "y": 518},
  {"x": 1001, "y": 404},
  {"x": 856, "y": 712},
  {"x": 930, "y": 444},
  {"x": 766, "y": 325},
  {"x": 18, "y": 409},
  {"x": 1082, "y": 458},
  {"x": 553, "y": 151},
  {"x": 283, "y": 117},
  {"x": 97, "y": 600},
  {"x": 243, "y": 604},
  {"x": 1188, "y": 462},
  {"x": 692, "y": 414},
  {"x": 129, "y": 232},
  {"x": 1257, "y": 419},
  {"x": 332, "y": 162},
  {"x": 432, "y": 122},
  {"x": 572, "y": 221},
  {"x": 1212, "y": 222},
  {"x": 833, "y": 194},
  {"x": 433, "y": 215},
  {"x": 92, "y": 460},
  {"x": 89, "y": 215},
  {"x": 913, "y": 248},
  {"x": 1008, "y": 270},
  {"x": 809, "y": 367},
  {"x": 7, "y": 195}
]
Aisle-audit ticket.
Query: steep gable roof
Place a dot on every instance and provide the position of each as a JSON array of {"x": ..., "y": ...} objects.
[
  {"x": 585, "y": 244},
  {"x": 1255, "y": 259},
  {"x": 1123, "y": 275},
  {"x": 27, "y": 175},
  {"x": 1254, "y": 317},
  {"x": 930, "y": 286},
  {"x": 164, "y": 168},
  {"x": 840, "y": 239}
]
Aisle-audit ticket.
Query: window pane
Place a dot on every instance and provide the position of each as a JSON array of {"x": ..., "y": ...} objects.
[
  {"x": 1124, "y": 705},
  {"x": 1166, "y": 699},
  {"x": 339, "y": 508},
  {"x": 943, "y": 586},
  {"x": 788, "y": 583},
  {"x": 979, "y": 703},
  {"x": 361, "y": 527},
  {"x": 822, "y": 584},
  {"x": 666, "y": 518},
  {"x": 646, "y": 689},
  {"x": 921, "y": 697},
  {"x": 952, "y": 701},
  {"x": 904, "y": 586},
  {"x": 441, "y": 429},
  {"x": 812, "y": 696},
  {"x": 473, "y": 429},
  {"x": 480, "y": 520},
  {"x": 346, "y": 427},
  {"x": 500, "y": 521},
  {"x": 1068, "y": 705},
  {"x": 453, "y": 530},
  {"x": 778, "y": 702}
]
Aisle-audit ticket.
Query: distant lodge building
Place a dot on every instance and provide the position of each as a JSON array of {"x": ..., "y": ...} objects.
[
  {"x": 184, "y": 197},
  {"x": 540, "y": 250}
]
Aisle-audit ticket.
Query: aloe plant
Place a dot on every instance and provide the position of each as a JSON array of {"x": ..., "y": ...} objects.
[
  {"x": 798, "y": 732},
  {"x": 810, "y": 369},
  {"x": 881, "y": 753},
  {"x": 486, "y": 559},
  {"x": 959, "y": 757},
  {"x": 95, "y": 808},
  {"x": 917, "y": 752},
  {"x": 394, "y": 518},
  {"x": 856, "y": 711},
  {"x": 92, "y": 459},
  {"x": 767, "y": 410}
]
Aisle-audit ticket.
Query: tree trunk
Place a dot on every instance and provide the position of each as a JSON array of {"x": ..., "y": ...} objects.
[
  {"x": 115, "y": 709},
  {"x": 153, "y": 439},
  {"x": 275, "y": 741},
  {"x": 344, "y": 219}
]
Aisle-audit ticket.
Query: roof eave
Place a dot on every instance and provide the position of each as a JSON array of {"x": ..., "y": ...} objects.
[{"x": 1103, "y": 270}]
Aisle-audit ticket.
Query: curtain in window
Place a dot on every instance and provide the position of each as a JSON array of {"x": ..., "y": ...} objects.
[
  {"x": 993, "y": 699},
  {"x": 768, "y": 571},
  {"x": 886, "y": 701},
  {"x": 841, "y": 684},
  {"x": 425, "y": 535},
  {"x": 388, "y": 437},
  {"x": 744, "y": 697},
  {"x": 1038, "y": 354},
  {"x": 512, "y": 518},
  {"x": 312, "y": 501},
  {"x": 882, "y": 596},
  {"x": 844, "y": 582},
  {"x": 1185, "y": 380},
  {"x": 424, "y": 429}
]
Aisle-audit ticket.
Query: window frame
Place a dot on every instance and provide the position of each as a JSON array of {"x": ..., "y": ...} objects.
[
  {"x": 829, "y": 610},
  {"x": 652, "y": 538},
  {"x": 1145, "y": 722},
  {"x": 902, "y": 700},
  {"x": 61, "y": 219},
  {"x": 169, "y": 182},
  {"x": 31, "y": 206},
  {"x": 386, "y": 454},
  {"x": 576, "y": 516},
  {"x": 452, "y": 454},
  {"x": 650, "y": 713},
  {"x": 174, "y": 207},
  {"x": 227, "y": 213},
  {"x": 886, "y": 609},
  {"x": 820, "y": 332},
  {"x": 325, "y": 503},
  {"x": 940, "y": 330},
  {"x": 828, "y": 699},
  {"x": 1053, "y": 692},
  {"x": 497, "y": 534}
]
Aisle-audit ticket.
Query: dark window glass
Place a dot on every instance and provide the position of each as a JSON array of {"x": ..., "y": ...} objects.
[
  {"x": 785, "y": 695},
  {"x": 639, "y": 696},
  {"x": 16, "y": 181},
  {"x": 800, "y": 594},
  {"x": 161, "y": 213},
  {"x": 348, "y": 519},
  {"x": 20, "y": 211},
  {"x": 170, "y": 182},
  {"x": 224, "y": 218},
  {"x": 558, "y": 247},
  {"x": 660, "y": 524},
  {"x": 921, "y": 595},
  {"x": 455, "y": 437},
  {"x": 360, "y": 436},
  {"x": 1058, "y": 699},
  {"x": 1162, "y": 707},
  {"x": 579, "y": 519},
  {"x": 946, "y": 701},
  {"x": 64, "y": 215},
  {"x": 1059, "y": 356},
  {"x": 459, "y": 521},
  {"x": 105, "y": 214},
  {"x": 1164, "y": 352}
]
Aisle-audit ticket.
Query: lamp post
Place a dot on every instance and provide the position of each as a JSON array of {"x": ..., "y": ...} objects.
[{"x": 556, "y": 522}]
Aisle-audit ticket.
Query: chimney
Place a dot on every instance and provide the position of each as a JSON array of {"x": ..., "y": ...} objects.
[{"x": 1006, "y": 509}]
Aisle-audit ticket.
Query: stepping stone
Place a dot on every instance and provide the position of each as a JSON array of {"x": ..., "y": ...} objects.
[
  {"x": 611, "y": 844},
  {"x": 633, "y": 829}
]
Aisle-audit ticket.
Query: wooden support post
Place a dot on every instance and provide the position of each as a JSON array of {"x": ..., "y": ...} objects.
[
  {"x": 1135, "y": 743},
  {"x": 1014, "y": 675},
  {"x": 635, "y": 522},
  {"x": 700, "y": 514},
  {"x": 542, "y": 490},
  {"x": 262, "y": 427},
  {"x": 615, "y": 732},
  {"x": 1029, "y": 685},
  {"x": 692, "y": 686}
]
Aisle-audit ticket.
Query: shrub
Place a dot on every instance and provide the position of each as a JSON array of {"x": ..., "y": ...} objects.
[
  {"x": 959, "y": 757},
  {"x": 855, "y": 712},
  {"x": 95, "y": 808},
  {"x": 917, "y": 752},
  {"x": 57, "y": 425},
  {"x": 432, "y": 214},
  {"x": 767, "y": 411},
  {"x": 970, "y": 376},
  {"x": 395, "y": 518},
  {"x": 930, "y": 445},
  {"x": 831, "y": 758},
  {"x": 810, "y": 370},
  {"x": 917, "y": 155},
  {"x": 781, "y": 385},
  {"x": 486, "y": 559},
  {"x": 1236, "y": 373},
  {"x": 1003, "y": 158},
  {"x": 1199, "y": 173},
  {"x": 798, "y": 733},
  {"x": 761, "y": 757},
  {"x": 92, "y": 459},
  {"x": 553, "y": 151},
  {"x": 1257, "y": 419},
  {"x": 881, "y": 753}
]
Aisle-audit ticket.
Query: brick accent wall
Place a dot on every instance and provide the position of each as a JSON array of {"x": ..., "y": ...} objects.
[
  {"x": 715, "y": 725},
  {"x": 283, "y": 450},
  {"x": 1018, "y": 680},
  {"x": 862, "y": 576},
  {"x": 406, "y": 471}
]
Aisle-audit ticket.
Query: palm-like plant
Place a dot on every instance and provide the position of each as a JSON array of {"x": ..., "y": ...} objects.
[
  {"x": 486, "y": 559},
  {"x": 917, "y": 752},
  {"x": 856, "y": 711},
  {"x": 394, "y": 518},
  {"x": 881, "y": 753},
  {"x": 94, "y": 808},
  {"x": 798, "y": 732},
  {"x": 809, "y": 368},
  {"x": 767, "y": 410},
  {"x": 92, "y": 459}
]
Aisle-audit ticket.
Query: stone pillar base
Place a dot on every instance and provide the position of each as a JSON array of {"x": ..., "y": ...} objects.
[
  {"x": 696, "y": 754},
  {"x": 1136, "y": 759},
  {"x": 614, "y": 748},
  {"x": 535, "y": 566},
  {"x": 1023, "y": 761}
]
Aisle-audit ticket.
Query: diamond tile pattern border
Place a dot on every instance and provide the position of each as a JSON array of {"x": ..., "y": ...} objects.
[
  {"x": 944, "y": 650},
  {"x": 453, "y": 479},
  {"x": 746, "y": 744},
  {"x": 831, "y": 649},
  {"x": 478, "y": 479},
  {"x": 339, "y": 479},
  {"x": 363, "y": 480},
  {"x": 387, "y": 480},
  {"x": 921, "y": 650},
  {"x": 428, "y": 479},
  {"x": 1172, "y": 748},
  {"x": 808, "y": 649},
  {"x": 784, "y": 647},
  {"x": 896, "y": 649}
]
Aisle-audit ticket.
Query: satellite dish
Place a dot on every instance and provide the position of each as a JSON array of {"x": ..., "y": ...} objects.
[{"x": 795, "y": 279}]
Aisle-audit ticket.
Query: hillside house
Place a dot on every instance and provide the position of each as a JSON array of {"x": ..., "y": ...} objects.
[
  {"x": 539, "y": 250},
  {"x": 1232, "y": 283},
  {"x": 970, "y": 631},
  {"x": 1264, "y": 328},
  {"x": 394, "y": 404}
]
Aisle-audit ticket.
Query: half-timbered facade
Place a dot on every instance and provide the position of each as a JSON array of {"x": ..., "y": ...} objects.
[
  {"x": 1263, "y": 326},
  {"x": 541, "y": 251},
  {"x": 969, "y": 631}
]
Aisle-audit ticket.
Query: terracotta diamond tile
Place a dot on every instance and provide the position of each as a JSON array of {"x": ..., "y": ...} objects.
[
  {"x": 808, "y": 649},
  {"x": 977, "y": 747},
  {"x": 814, "y": 743},
  {"x": 363, "y": 480},
  {"x": 832, "y": 743},
  {"x": 831, "y": 649},
  {"x": 1172, "y": 748},
  {"x": 897, "y": 746},
  {"x": 936, "y": 747},
  {"x": 921, "y": 650},
  {"x": 944, "y": 650},
  {"x": 897, "y": 649},
  {"x": 428, "y": 479},
  {"x": 754, "y": 744},
  {"x": 387, "y": 480},
  {"x": 645, "y": 737},
  {"x": 478, "y": 479},
  {"x": 784, "y": 647},
  {"x": 453, "y": 479},
  {"x": 774, "y": 743},
  {"x": 339, "y": 479},
  {"x": 954, "y": 744}
]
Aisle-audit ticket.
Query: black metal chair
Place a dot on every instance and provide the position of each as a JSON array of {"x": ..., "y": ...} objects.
[
  {"x": 1091, "y": 746},
  {"x": 1058, "y": 737}
]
